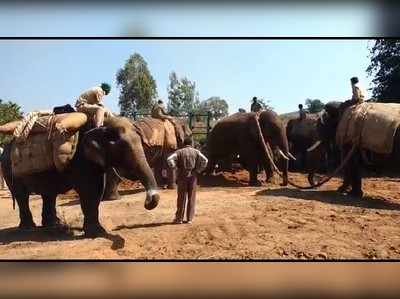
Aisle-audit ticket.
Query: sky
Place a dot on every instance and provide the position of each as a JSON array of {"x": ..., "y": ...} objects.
[{"x": 40, "y": 74}]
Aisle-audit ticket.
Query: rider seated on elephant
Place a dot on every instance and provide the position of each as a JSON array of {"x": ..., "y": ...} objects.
[
  {"x": 358, "y": 93},
  {"x": 302, "y": 113},
  {"x": 158, "y": 111},
  {"x": 255, "y": 106},
  {"x": 90, "y": 103}
]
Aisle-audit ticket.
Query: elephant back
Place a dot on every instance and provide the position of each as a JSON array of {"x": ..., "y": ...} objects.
[
  {"x": 156, "y": 132},
  {"x": 372, "y": 126}
]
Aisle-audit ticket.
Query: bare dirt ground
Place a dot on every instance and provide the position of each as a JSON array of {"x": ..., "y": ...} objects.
[{"x": 233, "y": 221}]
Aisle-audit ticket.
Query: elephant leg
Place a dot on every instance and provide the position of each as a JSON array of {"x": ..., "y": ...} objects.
[
  {"x": 356, "y": 181},
  {"x": 25, "y": 215},
  {"x": 49, "y": 213},
  {"x": 111, "y": 189},
  {"x": 268, "y": 171},
  {"x": 90, "y": 192},
  {"x": 253, "y": 171}
]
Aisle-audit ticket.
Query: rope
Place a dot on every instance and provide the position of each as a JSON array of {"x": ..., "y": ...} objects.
[{"x": 268, "y": 150}]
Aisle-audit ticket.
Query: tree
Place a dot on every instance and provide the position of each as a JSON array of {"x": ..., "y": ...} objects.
[
  {"x": 314, "y": 105},
  {"x": 385, "y": 67},
  {"x": 182, "y": 95},
  {"x": 9, "y": 111},
  {"x": 265, "y": 104},
  {"x": 217, "y": 106},
  {"x": 138, "y": 89}
]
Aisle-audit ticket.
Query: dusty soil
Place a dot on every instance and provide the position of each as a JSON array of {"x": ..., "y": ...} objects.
[{"x": 233, "y": 221}]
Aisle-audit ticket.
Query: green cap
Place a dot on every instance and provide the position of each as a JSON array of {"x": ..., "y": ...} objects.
[{"x": 106, "y": 87}]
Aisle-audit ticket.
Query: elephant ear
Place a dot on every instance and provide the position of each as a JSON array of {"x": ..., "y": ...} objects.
[{"x": 96, "y": 144}]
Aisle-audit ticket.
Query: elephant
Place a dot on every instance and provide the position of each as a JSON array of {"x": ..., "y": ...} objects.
[
  {"x": 156, "y": 152},
  {"x": 238, "y": 135},
  {"x": 353, "y": 154},
  {"x": 301, "y": 135},
  {"x": 115, "y": 145}
]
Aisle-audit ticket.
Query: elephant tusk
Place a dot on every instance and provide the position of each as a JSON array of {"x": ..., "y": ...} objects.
[
  {"x": 314, "y": 146},
  {"x": 283, "y": 155},
  {"x": 291, "y": 156}
]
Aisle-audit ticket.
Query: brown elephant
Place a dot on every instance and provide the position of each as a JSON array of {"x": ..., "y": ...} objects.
[
  {"x": 159, "y": 139},
  {"x": 116, "y": 145},
  {"x": 238, "y": 135},
  {"x": 368, "y": 127}
]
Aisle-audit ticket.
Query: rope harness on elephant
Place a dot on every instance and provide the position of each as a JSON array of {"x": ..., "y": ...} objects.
[{"x": 269, "y": 154}]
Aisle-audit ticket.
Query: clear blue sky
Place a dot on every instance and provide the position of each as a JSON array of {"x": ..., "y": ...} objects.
[{"x": 41, "y": 74}]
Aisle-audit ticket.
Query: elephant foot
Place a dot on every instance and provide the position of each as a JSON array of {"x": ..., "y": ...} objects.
[
  {"x": 152, "y": 203},
  {"x": 356, "y": 193},
  {"x": 94, "y": 230},
  {"x": 255, "y": 183},
  {"x": 311, "y": 179},
  {"x": 27, "y": 224},
  {"x": 51, "y": 222},
  {"x": 342, "y": 189}
]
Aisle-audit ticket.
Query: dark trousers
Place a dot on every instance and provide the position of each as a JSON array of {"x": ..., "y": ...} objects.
[{"x": 186, "y": 194}]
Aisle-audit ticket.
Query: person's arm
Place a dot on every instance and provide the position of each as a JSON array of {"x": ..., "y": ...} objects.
[
  {"x": 202, "y": 161},
  {"x": 172, "y": 160}
]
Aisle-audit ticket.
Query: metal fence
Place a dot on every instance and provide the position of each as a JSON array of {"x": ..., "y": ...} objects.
[{"x": 199, "y": 123}]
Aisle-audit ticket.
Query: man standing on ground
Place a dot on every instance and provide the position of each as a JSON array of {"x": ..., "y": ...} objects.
[
  {"x": 1, "y": 171},
  {"x": 189, "y": 162}
]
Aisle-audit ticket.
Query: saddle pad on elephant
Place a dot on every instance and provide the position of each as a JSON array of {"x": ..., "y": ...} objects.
[
  {"x": 156, "y": 132},
  {"x": 371, "y": 125},
  {"x": 37, "y": 153}
]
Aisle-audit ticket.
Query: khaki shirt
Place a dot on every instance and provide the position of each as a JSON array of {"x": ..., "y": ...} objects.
[
  {"x": 188, "y": 160},
  {"x": 255, "y": 107},
  {"x": 358, "y": 94},
  {"x": 93, "y": 96},
  {"x": 158, "y": 111}
]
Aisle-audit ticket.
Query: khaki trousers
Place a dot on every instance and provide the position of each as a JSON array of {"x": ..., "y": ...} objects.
[{"x": 186, "y": 197}]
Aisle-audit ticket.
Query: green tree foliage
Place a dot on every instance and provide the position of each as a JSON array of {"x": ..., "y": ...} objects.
[
  {"x": 265, "y": 104},
  {"x": 217, "y": 106},
  {"x": 183, "y": 97},
  {"x": 385, "y": 68},
  {"x": 9, "y": 111},
  {"x": 138, "y": 89},
  {"x": 314, "y": 105}
]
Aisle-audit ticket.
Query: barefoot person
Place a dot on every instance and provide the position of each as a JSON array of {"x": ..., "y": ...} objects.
[
  {"x": 91, "y": 103},
  {"x": 189, "y": 162}
]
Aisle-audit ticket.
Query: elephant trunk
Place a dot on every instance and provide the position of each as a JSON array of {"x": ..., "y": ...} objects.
[{"x": 142, "y": 170}]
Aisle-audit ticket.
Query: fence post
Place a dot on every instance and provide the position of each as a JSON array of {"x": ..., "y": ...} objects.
[
  {"x": 191, "y": 120},
  {"x": 208, "y": 122}
]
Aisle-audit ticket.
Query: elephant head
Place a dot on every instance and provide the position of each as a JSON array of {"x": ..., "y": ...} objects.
[
  {"x": 326, "y": 128},
  {"x": 274, "y": 133},
  {"x": 117, "y": 146}
]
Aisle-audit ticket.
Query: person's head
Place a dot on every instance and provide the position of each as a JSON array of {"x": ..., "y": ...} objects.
[
  {"x": 160, "y": 102},
  {"x": 241, "y": 110},
  {"x": 106, "y": 88},
  {"x": 300, "y": 106},
  {"x": 188, "y": 141},
  {"x": 254, "y": 99},
  {"x": 354, "y": 80}
]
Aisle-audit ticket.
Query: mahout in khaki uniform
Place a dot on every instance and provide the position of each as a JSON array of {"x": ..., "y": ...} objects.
[{"x": 189, "y": 162}]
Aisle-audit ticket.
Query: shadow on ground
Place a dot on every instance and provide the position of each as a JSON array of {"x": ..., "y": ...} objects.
[
  {"x": 45, "y": 234},
  {"x": 333, "y": 197},
  {"x": 220, "y": 180},
  {"x": 142, "y": 225}
]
